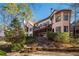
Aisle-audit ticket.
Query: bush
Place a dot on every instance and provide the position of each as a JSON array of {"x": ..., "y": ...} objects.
[
  {"x": 17, "y": 46},
  {"x": 58, "y": 37},
  {"x": 2, "y": 53},
  {"x": 30, "y": 40},
  {"x": 63, "y": 37},
  {"x": 74, "y": 40},
  {"x": 51, "y": 35}
]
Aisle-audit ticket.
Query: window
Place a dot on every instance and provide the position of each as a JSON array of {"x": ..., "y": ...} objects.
[
  {"x": 58, "y": 29},
  {"x": 65, "y": 28},
  {"x": 66, "y": 16},
  {"x": 58, "y": 17}
]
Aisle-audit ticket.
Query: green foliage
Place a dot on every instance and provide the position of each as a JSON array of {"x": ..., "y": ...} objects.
[
  {"x": 2, "y": 53},
  {"x": 15, "y": 23},
  {"x": 30, "y": 40},
  {"x": 21, "y": 36},
  {"x": 74, "y": 40},
  {"x": 15, "y": 33},
  {"x": 51, "y": 35},
  {"x": 58, "y": 37},
  {"x": 8, "y": 34},
  {"x": 16, "y": 46},
  {"x": 17, "y": 9},
  {"x": 10, "y": 8},
  {"x": 63, "y": 37}
]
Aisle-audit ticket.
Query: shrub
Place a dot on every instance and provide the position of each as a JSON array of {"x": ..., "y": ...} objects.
[
  {"x": 51, "y": 35},
  {"x": 30, "y": 40},
  {"x": 62, "y": 37},
  {"x": 16, "y": 46},
  {"x": 2, "y": 53},
  {"x": 74, "y": 40}
]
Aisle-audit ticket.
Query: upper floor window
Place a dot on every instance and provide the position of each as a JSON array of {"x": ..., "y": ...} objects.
[
  {"x": 65, "y": 15},
  {"x": 58, "y": 17}
]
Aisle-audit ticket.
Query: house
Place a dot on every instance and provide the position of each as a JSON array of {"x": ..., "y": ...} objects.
[
  {"x": 42, "y": 26},
  {"x": 58, "y": 21},
  {"x": 61, "y": 20},
  {"x": 28, "y": 28}
]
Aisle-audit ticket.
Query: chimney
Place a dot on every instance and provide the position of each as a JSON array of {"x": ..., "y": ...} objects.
[{"x": 53, "y": 10}]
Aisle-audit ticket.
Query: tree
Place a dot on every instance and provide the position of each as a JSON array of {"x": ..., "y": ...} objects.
[
  {"x": 15, "y": 33},
  {"x": 75, "y": 13},
  {"x": 17, "y": 10},
  {"x": 21, "y": 11},
  {"x": 75, "y": 8}
]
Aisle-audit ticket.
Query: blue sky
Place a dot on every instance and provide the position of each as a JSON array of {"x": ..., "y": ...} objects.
[{"x": 43, "y": 10}]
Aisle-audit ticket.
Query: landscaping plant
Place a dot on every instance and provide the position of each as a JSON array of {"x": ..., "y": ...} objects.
[
  {"x": 51, "y": 35},
  {"x": 30, "y": 40},
  {"x": 58, "y": 37},
  {"x": 63, "y": 37},
  {"x": 2, "y": 53}
]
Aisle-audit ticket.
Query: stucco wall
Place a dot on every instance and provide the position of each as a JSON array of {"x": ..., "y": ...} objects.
[{"x": 61, "y": 23}]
